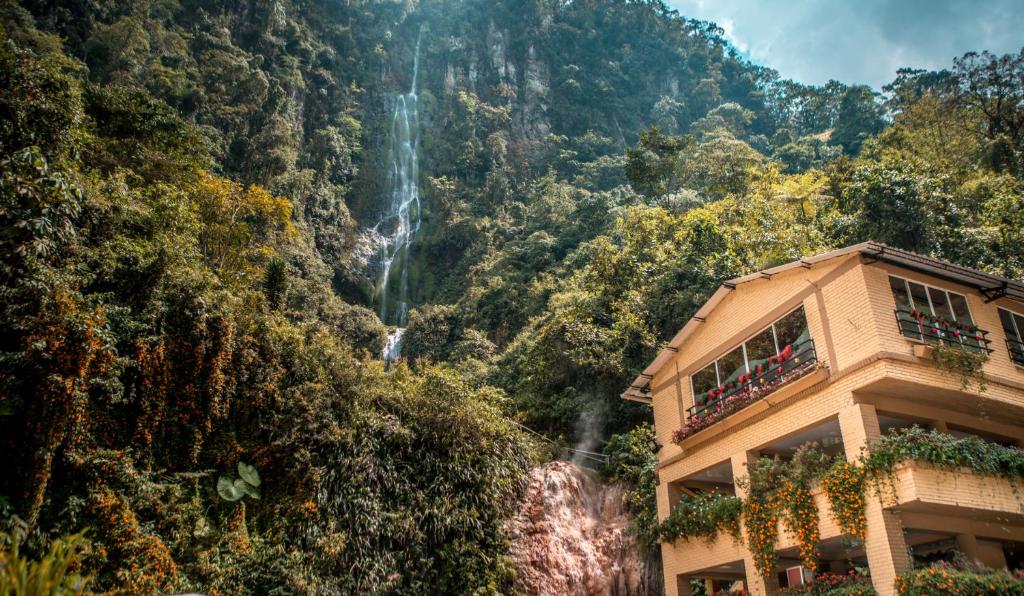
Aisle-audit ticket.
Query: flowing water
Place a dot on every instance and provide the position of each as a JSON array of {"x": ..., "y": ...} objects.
[
  {"x": 401, "y": 220},
  {"x": 572, "y": 536}
]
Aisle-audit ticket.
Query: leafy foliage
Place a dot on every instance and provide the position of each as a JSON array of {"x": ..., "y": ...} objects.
[
  {"x": 187, "y": 191},
  {"x": 632, "y": 461},
  {"x": 702, "y": 516},
  {"x": 54, "y": 573},
  {"x": 944, "y": 579},
  {"x": 965, "y": 364}
]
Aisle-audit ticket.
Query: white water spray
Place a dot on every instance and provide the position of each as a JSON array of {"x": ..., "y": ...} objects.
[{"x": 401, "y": 221}]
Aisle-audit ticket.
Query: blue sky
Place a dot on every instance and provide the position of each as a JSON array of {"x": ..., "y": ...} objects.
[{"x": 864, "y": 41}]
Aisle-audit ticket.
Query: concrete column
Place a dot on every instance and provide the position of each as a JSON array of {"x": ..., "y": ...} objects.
[
  {"x": 886, "y": 545},
  {"x": 940, "y": 425},
  {"x": 756, "y": 584}
]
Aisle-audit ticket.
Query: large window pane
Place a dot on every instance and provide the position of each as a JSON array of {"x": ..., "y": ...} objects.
[
  {"x": 959, "y": 306},
  {"x": 760, "y": 348},
  {"x": 908, "y": 324},
  {"x": 1006, "y": 317},
  {"x": 899, "y": 292},
  {"x": 940, "y": 304},
  {"x": 704, "y": 381},
  {"x": 730, "y": 367},
  {"x": 792, "y": 329},
  {"x": 919, "y": 295},
  {"x": 1017, "y": 347}
]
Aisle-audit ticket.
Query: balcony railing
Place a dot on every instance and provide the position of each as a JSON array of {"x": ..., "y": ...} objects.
[
  {"x": 934, "y": 329},
  {"x": 1016, "y": 349},
  {"x": 761, "y": 381}
]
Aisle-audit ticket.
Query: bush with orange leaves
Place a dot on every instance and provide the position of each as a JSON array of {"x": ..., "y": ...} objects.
[{"x": 146, "y": 564}]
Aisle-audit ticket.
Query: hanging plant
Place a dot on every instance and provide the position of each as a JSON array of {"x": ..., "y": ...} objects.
[
  {"x": 702, "y": 516},
  {"x": 761, "y": 523},
  {"x": 843, "y": 485},
  {"x": 964, "y": 363}
]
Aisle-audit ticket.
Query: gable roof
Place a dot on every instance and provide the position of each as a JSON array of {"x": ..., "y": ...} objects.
[{"x": 989, "y": 286}]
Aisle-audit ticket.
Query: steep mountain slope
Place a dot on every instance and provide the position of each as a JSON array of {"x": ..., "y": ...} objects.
[{"x": 193, "y": 197}]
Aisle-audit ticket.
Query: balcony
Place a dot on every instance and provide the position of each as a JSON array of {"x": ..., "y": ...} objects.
[
  {"x": 928, "y": 328},
  {"x": 779, "y": 371}
]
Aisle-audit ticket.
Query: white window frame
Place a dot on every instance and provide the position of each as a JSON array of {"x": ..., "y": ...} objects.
[{"x": 931, "y": 307}]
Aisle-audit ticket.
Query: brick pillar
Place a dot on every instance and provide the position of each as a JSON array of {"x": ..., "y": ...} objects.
[
  {"x": 664, "y": 497},
  {"x": 756, "y": 584},
  {"x": 673, "y": 582},
  {"x": 886, "y": 545},
  {"x": 680, "y": 586}
]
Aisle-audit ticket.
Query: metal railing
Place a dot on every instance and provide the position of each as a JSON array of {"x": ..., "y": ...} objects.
[
  {"x": 766, "y": 379},
  {"x": 930, "y": 328},
  {"x": 1016, "y": 349}
]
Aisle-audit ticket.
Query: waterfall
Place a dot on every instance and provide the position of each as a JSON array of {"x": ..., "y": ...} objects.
[{"x": 401, "y": 220}]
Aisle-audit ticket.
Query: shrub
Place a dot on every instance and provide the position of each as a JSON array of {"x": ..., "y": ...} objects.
[
  {"x": 943, "y": 578},
  {"x": 703, "y": 516},
  {"x": 835, "y": 584},
  {"x": 55, "y": 573}
]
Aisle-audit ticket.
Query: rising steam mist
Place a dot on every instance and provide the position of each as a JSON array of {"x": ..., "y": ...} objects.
[{"x": 588, "y": 429}]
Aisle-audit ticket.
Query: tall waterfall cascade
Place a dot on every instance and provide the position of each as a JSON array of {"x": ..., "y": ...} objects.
[{"x": 401, "y": 219}]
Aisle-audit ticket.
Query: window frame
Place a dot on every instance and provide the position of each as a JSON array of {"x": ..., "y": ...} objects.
[
  {"x": 928, "y": 292},
  {"x": 743, "y": 345},
  {"x": 1020, "y": 333}
]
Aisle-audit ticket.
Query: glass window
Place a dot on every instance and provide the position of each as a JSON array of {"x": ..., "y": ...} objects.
[
  {"x": 899, "y": 292},
  {"x": 704, "y": 381},
  {"x": 791, "y": 329},
  {"x": 919, "y": 295},
  {"x": 1006, "y": 317},
  {"x": 730, "y": 367},
  {"x": 960, "y": 310},
  {"x": 1013, "y": 326},
  {"x": 942, "y": 315},
  {"x": 940, "y": 303},
  {"x": 760, "y": 348}
]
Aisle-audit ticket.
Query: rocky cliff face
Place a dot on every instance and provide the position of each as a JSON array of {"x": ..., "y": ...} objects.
[{"x": 571, "y": 537}]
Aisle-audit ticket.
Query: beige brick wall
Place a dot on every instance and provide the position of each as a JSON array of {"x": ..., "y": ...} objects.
[{"x": 747, "y": 310}]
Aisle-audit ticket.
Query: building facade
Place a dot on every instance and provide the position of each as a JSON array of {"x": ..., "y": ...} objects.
[{"x": 837, "y": 350}]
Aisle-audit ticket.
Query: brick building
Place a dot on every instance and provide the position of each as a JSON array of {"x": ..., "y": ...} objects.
[{"x": 850, "y": 328}]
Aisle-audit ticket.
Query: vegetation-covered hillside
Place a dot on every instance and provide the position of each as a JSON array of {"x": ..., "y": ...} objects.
[{"x": 188, "y": 196}]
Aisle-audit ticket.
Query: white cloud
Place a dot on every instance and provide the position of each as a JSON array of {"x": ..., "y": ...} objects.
[{"x": 813, "y": 41}]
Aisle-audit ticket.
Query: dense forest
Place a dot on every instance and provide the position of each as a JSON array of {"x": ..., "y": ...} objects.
[{"x": 190, "y": 193}]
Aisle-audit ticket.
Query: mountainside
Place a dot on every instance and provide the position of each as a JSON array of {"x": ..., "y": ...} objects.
[{"x": 213, "y": 216}]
